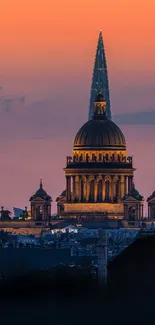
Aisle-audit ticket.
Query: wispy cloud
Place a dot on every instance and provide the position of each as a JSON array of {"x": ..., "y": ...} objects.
[{"x": 140, "y": 118}]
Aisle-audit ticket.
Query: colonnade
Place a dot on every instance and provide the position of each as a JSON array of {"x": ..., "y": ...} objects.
[
  {"x": 151, "y": 210},
  {"x": 40, "y": 212},
  {"x": 97, "y": 188},
  {"x": 133, "y": 212}
]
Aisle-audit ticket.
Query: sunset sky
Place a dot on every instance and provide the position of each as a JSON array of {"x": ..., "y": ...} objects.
[{"x": 47, "y": 53}]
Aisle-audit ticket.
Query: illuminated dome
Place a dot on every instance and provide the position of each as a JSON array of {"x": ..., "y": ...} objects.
[{"x": 100, "y": 134}]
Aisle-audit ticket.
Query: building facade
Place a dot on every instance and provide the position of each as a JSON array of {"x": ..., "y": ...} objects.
[
  {"x": 151, "y": 206},
  {"x": 133, "y": 205}
]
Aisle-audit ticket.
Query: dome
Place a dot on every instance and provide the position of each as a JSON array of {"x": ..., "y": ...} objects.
[
  {"x": 100, "y": 134},
  {"x": 134, "y": 193},
  {"x": 41, "y": 193}
]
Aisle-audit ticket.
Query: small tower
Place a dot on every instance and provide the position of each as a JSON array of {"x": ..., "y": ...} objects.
[
  {"x": 61, "y": 199},
  {"x": 40, "y": 205},
  {"x": 133, "y": 205},
  {"x": 151, "y": 205}
]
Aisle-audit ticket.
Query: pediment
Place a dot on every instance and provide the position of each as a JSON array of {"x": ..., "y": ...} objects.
[
  {"x": 38, "y": 199},
  {"x": 130, "y": 199},
  {"x": 152, "y": 200}
]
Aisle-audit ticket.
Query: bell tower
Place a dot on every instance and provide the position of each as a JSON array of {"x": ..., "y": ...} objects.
[{"x": 40, "y": 205}]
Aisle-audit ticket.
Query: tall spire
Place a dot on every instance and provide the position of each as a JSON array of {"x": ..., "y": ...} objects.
[
  {"x": 41, "y": 183},
  {"x": 100, "y": 79}
]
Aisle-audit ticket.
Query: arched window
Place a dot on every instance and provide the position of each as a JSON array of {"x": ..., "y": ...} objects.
[
  {"x": 107, "y": 190},
  {"x": 99, "y": 191},
  {"x": 91, "y": 196}
]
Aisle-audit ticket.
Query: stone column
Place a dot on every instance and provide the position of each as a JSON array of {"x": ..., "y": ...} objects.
[
  {"x": 68, "y": 188},
  {"x": 87, "y": 190},
  {"x": 79, "y": 190},
  {"x": 142, "y": 212},
  {"x": 77, "y": 187},
  {"x": 125, "y": 211},
  {"x": 103, "y": 189},
  {"x": 130, "y": 182},
  {"x": 148, "y": 210},
  {"x": 112, "y": 189},
  {"x": 125, "y": 185},
  {"x": 95, "y": 191},
  {"x": 119, "y": 187},
  {"x": 122, "y": 186}
]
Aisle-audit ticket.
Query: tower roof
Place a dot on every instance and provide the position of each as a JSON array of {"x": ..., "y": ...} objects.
[
  {"x": 134, "y": 193},
  {"x": 100, "y": 78},
  {"x": 41, "y": 193}
]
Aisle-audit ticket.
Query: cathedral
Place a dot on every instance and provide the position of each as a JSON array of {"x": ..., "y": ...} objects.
[{"x": 99, "y": 175}]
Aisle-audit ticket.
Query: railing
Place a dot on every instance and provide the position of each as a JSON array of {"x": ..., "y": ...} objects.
[{"x": 124, "y": 162}]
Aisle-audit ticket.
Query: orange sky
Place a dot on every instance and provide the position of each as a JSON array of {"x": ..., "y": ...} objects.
[
  {"x": 36, "y": 32},
  {"x": 47, "y": 48}
]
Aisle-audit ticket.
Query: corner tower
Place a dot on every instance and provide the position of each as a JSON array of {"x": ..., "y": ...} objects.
[
  {"x": 40, "y": 205},
  {"x": 99, "y": 174},
  {"x": 100, "y": 78}
]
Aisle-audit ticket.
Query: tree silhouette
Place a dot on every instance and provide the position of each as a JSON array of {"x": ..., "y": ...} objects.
[{"x": 5, "y": 215}]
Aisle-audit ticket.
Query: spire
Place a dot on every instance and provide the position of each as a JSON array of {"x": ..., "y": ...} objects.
[
  {"x": 100, "y": 78},
  {"x": 41, "y": 184}
]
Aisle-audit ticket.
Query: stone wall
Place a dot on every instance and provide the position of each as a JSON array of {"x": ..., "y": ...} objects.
[{"x": 94, "y": 207}]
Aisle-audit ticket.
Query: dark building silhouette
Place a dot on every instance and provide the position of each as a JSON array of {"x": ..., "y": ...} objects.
[
  {"x": 151, "y": 205},
  {"x": 133, "y": 205},
  {"x": 133, "y": 270},
  {"x": 100, "y": 79}
]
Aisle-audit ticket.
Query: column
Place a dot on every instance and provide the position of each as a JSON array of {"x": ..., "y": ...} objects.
[
  {"x": 125, "y": 212},
  {"x": 141, "y": 217},
  {"x": 49, "y": 210},
  {"x": 77, "y": 188},
  {"x": 125, "y": 185},
  {"x": 112, "y": 189},
  {"x": 74, "y": 189},
  {"x": 130, "y": 181},
  {"x": 137, "y": 212},
  {"x": 95, "y": 191},
  {"x": 87, "y": 190},
  {"x": 148, "y": 210},
  {"x": 119, "y": 187},
  {"x": 122, "y": 186},
  {"x": 103, "y": 189},
  {"x": 68, "y": 188}
]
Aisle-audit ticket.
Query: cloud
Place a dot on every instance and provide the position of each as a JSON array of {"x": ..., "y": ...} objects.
[{"x": 140, "y": 118}]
